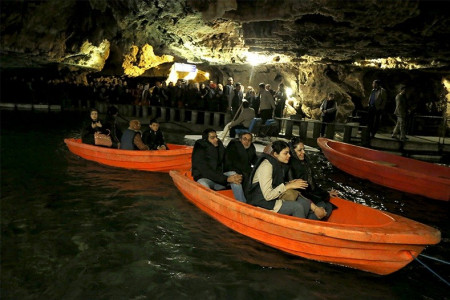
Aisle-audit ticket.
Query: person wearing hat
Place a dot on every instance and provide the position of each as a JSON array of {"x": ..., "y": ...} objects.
[
  {"x": 131, "y": 138},
  {"x": 400, "y": 113}
]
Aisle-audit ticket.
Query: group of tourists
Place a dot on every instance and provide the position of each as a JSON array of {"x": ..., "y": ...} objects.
[
  {"x": 130, "y": 139},
  {"x": 280, "y": 180}
]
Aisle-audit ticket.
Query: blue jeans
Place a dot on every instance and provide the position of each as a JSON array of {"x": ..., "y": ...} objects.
[{"x": 238, "y": 191}]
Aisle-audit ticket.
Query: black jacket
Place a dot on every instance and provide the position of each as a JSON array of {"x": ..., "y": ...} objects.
[
  {"x": 239, "y": 159},
  {"x": 300, "y": 169},
  {"x": 153, "y": 139},
  {"x": 207, "y": 161}
]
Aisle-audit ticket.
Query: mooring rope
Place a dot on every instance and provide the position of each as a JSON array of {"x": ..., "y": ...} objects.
[
  {"x": 429, "y": 269},
  {"x": 436, "y": 259}
]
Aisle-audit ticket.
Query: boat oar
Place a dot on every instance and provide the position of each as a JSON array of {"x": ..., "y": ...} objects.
[{"x": 227, "y": 128}]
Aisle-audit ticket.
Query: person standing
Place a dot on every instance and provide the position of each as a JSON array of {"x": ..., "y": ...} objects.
[
  {"x": 228, "y": 93},
  {"x": 267, "y": 104},
  {"x": 377, "y": 102},
  {"x": 400, "y": 113},
  {"x": 328, "y": 110}
]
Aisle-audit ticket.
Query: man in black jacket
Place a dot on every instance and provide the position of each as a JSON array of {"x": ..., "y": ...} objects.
[
  {"x": 240, "y": 156},
  {"x": 208, "y": 165}
]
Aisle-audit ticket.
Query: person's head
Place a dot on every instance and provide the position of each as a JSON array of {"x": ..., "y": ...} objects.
[
  {"x": 262, "y": 86},
  {"x": 230, "y": 81},
  {"x": 402, "y": 89},
  {"x": 93, "y": 114},
  {"x": 210, "y": 135},
  {"x": 376, "y": 84},
  {"x": 135, "y": 125},
  {"x": 280, "y": 150},
  {"x": 245, "y": 104},
  {"x": 154, "y": 125},
  {"x": 281, "y": 86},
  {"x": 268, "y": 87},
  {"x": 330, "y": 96},
  {"x": 299, "y": 147},
  {"x": 246, "y": 139},
  {"x": 238, "y": 86}
]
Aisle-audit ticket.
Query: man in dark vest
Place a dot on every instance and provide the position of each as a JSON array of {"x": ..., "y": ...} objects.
[{"x": 131, "y": 137}]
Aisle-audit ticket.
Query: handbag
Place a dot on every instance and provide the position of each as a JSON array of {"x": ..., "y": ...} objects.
[{"x": 102, "y": 139}]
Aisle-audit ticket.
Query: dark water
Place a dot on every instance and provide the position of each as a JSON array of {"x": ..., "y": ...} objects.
[{"x": 74, "y": 229}]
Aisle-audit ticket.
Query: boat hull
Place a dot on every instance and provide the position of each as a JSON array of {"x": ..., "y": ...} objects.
[
  {"x": 355, "y": 236},
  {"x": 177, "y": 158},
  {"x": 390, "y": 170}
]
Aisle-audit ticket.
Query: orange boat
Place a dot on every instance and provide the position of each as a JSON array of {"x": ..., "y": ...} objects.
[
  {"x": 355, "y": 235},
  {"x": 178, "y": 157},
  {"x": 397, "y": 172}
]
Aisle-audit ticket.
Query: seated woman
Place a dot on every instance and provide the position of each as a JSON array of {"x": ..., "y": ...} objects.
[
  {"x": 269, "y": 190},
  {"x": 92, "y": 125},
  {"x": 299, "y": 168}
]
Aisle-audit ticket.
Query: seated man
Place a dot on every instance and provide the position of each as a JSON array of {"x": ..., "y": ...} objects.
[
  {"x": 240, "y": 156},
  {"x": 131, "y": 137},
  {"x": 153, "y": 137},
  {"x": 243, "y": 121},
  {"x": 208, "y": 165}
]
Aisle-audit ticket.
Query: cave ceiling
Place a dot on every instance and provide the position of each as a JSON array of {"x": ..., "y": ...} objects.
[{"x": 91, "y": 33}]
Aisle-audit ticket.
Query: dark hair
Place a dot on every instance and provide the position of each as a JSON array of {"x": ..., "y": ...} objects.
[
  {"x": 245, "y": 104},
  {"x": 153, "y": 121},
  {"x": 262, "y": 85},
  {"x": 206, "y": 132},
  {"x": 241, "y": 134},
  {"x": 295, "y": 141},
  {"x": 278, "y": 146}
]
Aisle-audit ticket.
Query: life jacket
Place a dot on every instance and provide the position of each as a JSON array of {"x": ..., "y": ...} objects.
[
  {"x": 254, "y": 194},
  {"x": 127, "y": 140}
]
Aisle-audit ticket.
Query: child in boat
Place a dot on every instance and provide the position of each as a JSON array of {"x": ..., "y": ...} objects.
[
  {"x": 269, "y": 190},
  {"x": 153, "y": 137}
]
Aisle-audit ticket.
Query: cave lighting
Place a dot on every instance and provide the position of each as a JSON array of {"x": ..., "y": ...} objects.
[
  {"x": 255, "y": 59},
  {"x": 90, "y": 56},
  {"x": 394, "y": 63},
  {"x": 288, "y": 92}
]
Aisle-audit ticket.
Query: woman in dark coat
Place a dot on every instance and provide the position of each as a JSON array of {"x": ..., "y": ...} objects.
[
  {"x": 299, "y": 168},
  {"x": 92, "y": 125}
]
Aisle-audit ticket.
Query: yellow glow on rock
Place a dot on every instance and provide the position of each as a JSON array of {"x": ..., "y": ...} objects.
[
  {"x": 90, "y": 56},
  {"x": 147, "y": 60}
]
